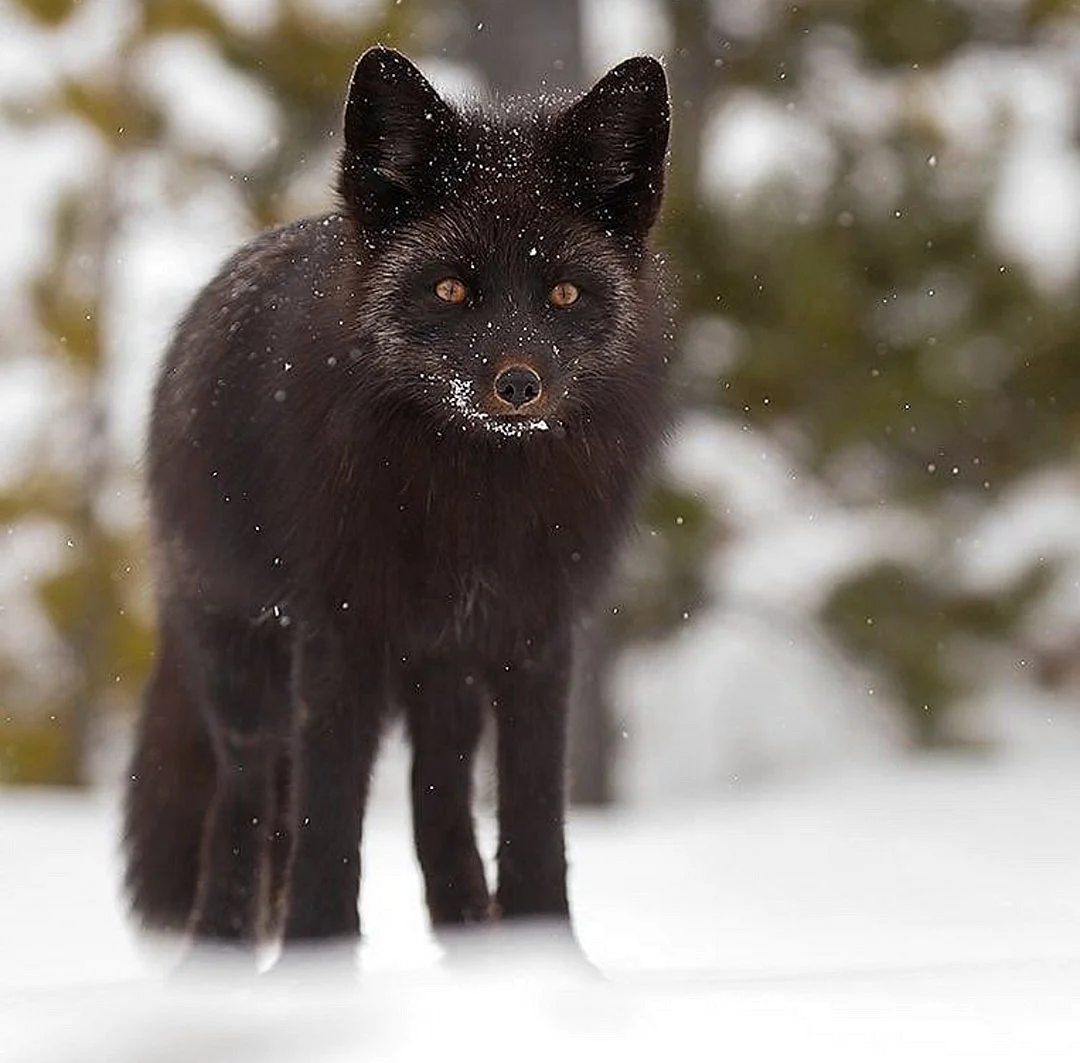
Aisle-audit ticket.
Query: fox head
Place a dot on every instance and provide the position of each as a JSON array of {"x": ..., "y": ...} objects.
[{"x": 504, "y": 285}]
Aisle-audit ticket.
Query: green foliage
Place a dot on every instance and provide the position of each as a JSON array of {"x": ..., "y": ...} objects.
[
  {"x": 911, "y": 32},
  {"x": 878, "y": 318},
  {"x": 50, "y": 12},
  {"x": 63, "y": 297},
  {"x": 94, "y": 599},
  {"x": 37, "y": 751},
  {"x": 1040, "y": 12},
  {"x": 302, "y": 59},
  {"x": 678, "y": 535},
  {"x": 912, "y": 627}
]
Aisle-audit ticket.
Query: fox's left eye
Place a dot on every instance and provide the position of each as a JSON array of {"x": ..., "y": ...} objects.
[
  {"x": 564, "y": 294},
  {"x": 451, "y": 290}
]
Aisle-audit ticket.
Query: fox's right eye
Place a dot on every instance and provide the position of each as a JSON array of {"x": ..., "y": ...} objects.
[{"x": 451, "y": 290}]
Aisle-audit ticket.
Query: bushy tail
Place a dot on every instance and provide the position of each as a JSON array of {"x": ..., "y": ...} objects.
[{"x": 170, "y": 787}]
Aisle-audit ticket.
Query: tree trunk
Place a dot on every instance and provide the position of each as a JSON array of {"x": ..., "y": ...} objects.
[{"x": 524, "y": 48}]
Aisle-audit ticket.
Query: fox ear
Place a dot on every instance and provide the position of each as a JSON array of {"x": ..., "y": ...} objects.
[
  {"x": 611, "y": 144},
  {"x": 395, "y": 125}
]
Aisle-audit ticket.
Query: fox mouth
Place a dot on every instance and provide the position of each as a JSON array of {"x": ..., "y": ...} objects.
[{"x": 505, "y": 420}]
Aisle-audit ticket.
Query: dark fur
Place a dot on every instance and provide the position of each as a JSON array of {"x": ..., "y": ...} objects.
[{"x": 338, "y": 528}]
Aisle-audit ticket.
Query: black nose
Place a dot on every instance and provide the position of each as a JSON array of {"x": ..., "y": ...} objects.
[{"x": 518, "y": 386}]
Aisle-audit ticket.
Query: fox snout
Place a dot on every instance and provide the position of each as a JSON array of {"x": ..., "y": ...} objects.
[{"x": 518, "y": 388}]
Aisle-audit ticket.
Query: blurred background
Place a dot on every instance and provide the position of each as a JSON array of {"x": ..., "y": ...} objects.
[{"x": 864, "y": 542}]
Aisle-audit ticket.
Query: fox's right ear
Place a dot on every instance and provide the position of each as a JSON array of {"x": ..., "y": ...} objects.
[{"x": 395, "y": 124}]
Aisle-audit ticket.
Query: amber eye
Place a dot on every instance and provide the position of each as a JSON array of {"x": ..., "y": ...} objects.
[
  {"x": 451, "y": 290},
  {"x": 564, "y": 294}
]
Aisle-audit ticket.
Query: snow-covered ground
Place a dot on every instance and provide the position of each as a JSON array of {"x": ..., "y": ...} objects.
[{"x": 924, "y": 910}]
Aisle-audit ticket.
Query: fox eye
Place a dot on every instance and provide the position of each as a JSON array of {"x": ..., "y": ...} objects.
[
  {"x": 451, "y": 290},
  {"x": 563, "y": 294}
]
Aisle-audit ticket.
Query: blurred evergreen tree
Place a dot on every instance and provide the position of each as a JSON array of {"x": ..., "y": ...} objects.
[
  {"x": 878, "y": 324},
  {"x": 300, "y": 55}
]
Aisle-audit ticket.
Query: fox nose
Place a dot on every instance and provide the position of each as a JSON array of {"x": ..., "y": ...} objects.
[{"x": 518, "y": 386}]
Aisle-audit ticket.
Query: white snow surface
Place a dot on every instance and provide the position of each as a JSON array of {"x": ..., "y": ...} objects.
[{"x": 923, "y": 910}]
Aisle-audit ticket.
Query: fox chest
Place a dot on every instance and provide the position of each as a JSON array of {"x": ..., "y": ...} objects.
[{"x": 472, "y": 585}]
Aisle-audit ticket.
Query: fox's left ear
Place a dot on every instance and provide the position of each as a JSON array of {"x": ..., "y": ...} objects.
[{"x": 610, "y": 146}]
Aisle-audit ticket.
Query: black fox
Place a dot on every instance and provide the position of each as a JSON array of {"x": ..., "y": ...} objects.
[{"x": 393, "y": 450}]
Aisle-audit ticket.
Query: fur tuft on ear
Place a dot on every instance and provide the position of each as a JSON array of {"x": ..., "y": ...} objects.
[
  {"x": 611, "y": 145},
  {"x": 396, "y": 128}
]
